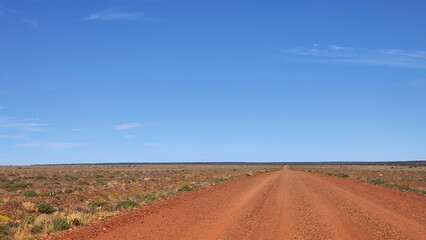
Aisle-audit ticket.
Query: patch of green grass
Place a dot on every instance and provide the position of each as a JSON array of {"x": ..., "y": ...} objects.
[
  {"x": 18, "y": 186},
  {"x": 343, "y": 175},
  {"x": 185, "y": 188},
  {"x": 40, "y": 177},
  {"x": 376, "y": 181},
  {"x": 4, "y": 231},
  {"x": 61, "y": 224},
  {"x": 150, "y": 197},
  {"x": 31, "y": 193},
  {"x": 402, "y": 187},
  {"x": 127, "y": 204},
  {"x": 97, "y": 203},
  {"x": 45, "y": 208},
  {"x": 219, "y": 180},
  {"x": 68, "y": 191},
  {"x": 36, "y": 229}
]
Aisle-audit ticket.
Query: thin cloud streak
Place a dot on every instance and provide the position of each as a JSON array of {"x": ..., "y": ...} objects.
[
  {"x": 126, "y": 126},
  {"x": 9, "y": 122},
  {"x": 338, "y": 54},
  {"x": 48, "y": 145},
  {"x": 14, "y": 136},
  {"x": 110, "y": 15}
]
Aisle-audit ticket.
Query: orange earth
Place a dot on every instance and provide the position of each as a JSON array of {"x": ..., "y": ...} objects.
[{"x": 284, "y": 204}]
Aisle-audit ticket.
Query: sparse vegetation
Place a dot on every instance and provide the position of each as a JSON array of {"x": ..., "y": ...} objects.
[
  {"x": 127, "y": 204},
  {"x": 185, "y": 188},
  {"x": 40, "y": 200},
  {"x": 61, "y": 224},
  {"x": 45, "y": 208},
  {"x": 30, "y": 193},
  {"x": 36, "y": 229},
  {"x": 402, "y": 177}
]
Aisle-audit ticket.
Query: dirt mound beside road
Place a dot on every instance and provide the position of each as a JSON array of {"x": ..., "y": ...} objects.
[{"x": 285, "y": 204}]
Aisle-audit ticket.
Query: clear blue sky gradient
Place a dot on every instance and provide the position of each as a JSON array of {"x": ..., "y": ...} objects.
[{"x": 162, "y": 81}]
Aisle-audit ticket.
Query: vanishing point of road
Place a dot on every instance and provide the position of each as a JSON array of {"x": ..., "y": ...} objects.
[{"x": 284, "y": 204}]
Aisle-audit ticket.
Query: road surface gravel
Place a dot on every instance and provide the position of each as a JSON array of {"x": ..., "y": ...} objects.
[{"x": 284, "y": 204}]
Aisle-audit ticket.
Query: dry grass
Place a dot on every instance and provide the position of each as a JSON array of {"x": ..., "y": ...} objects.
[
  {"x": 411, "y": 178},
  {"x": 80, "y": 194}
]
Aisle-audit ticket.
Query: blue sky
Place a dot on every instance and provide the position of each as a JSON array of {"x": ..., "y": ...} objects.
[{"x": 161, "y": 81}]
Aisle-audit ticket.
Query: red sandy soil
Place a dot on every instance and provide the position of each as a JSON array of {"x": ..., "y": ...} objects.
[{"x": 284, "y": 204}]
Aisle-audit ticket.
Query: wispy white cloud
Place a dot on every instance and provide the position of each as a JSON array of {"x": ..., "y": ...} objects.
[
  {"x": 129, "y": 136},
  {"x": 111, "y": 15},
  {"x": 152, "y": 144},
  {"x": 125, "y": 126},
  {"x": 339, "y": 54},
  {"x": 21, "y": 124},
  {"x": 14, "y": 136},
  {"x": 48, "y": 145},
  {"x": 17, "y": 15}
]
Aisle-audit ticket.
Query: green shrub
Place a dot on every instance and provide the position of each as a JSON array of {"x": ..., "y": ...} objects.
[
  {"x": 18, "y": 186},
  {"x": 97, "y": 203},
  {"x": 219, "y": 180},
  {"x": 40, "y": 177},
  {"x": 31, "y": 193},
  {"x": 68, "y": 191},
  {"x": 36, "y": 229},
  {"x": 30, "y": 219},
  {"x": 83, "y": 183},
  {"x": 127, "y": 204},
  {"x": 61, "y": 224},
  {"x": 98, "y": 175},
  {"x": 343, "y": 175},
  {"x": 45, "y": 208},
  {"x": 185, "y": 188},
  {"x": 376, "y": 181},
  {"x": 4, "y": 231},
  {"x": 150, "y": 197}
]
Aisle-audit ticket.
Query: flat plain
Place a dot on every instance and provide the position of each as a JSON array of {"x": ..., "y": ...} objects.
[
  {"x": 40, "y": 200},
  {"x": 215, "y": 202}
]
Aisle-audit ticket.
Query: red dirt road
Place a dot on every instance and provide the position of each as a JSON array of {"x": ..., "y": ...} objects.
[{"x": 285, "y": 204}]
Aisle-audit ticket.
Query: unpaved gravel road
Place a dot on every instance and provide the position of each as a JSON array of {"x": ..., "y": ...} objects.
[{"x": 284, "y": 204}]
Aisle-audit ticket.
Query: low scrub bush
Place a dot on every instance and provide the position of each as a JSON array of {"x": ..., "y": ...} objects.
[
  {"x": 18, "y": 186},
  {"x": 185, "y": 188},
  {"x": 30, "y": 193},
  {"x": 4, "y": 231},
  {"x": 61, "y": 224},
  {"x": 219, "y": 180},
  {"x": 40, "y": 177},
  {"x": 343, "y": 175},
  {"x": 45, "y": 208},
  {"x": 376, "y": 181},
  {"x": 150, "y": 197},
  {"x": 68, "y": 191},
  {"x": 127, "y": 204},
  {"x": 36, "y": 229},
  {"x": 97, "y": 203}
]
